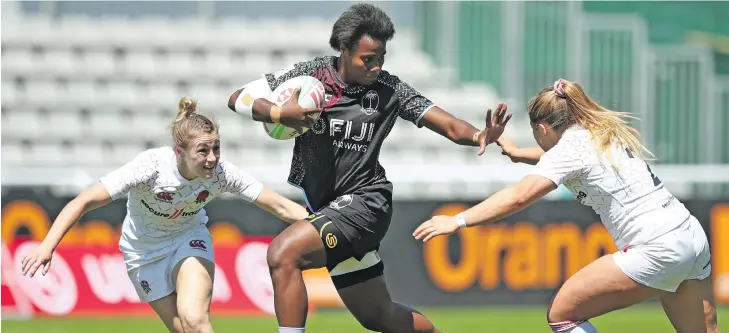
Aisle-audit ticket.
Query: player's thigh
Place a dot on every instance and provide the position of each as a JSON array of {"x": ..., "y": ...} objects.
[
  {"x": 299, "y": 244},
  {"x": 166, "y": 309},
  {"x": 598, "y": 288},
  {"x": 192, "y": 274},
  {"x": 691, "y": 308},
  {"x": 193, "y": 277}
]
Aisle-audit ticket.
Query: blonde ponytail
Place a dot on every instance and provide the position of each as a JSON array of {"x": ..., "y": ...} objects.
[
  {"x": 189, "y": 123},
  {"x": 566, "y": 103},
  {"x": 186, "y": 107}
]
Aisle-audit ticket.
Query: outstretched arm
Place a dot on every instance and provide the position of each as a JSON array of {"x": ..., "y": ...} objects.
[
  {"x": 500, "y": 205},
  {"x": 528, "y": 155},
  {"x": 92, "y": 198},
  {"x": 280, "y": 206},
  {"x": 463, "y": 133},
  {"x": 112, "y": 186}
]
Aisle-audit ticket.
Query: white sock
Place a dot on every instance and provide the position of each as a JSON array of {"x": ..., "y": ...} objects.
[
  {"x": 573, "y": 327},
  {"x": 291, "y": 329}
]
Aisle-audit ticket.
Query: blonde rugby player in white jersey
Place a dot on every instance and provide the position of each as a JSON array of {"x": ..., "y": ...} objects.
[
  {"x": 166, "y": 244},
  {"x": 662, "y": 249}
]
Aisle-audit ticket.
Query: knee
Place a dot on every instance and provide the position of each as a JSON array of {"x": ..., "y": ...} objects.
[
  {"x": 279, "y": 258},
  {"x": 556, "y": 313},
  {"x": 195, "y": 322}
]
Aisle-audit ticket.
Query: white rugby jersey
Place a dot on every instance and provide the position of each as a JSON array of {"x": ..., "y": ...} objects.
[
  {"x": 162, "y": 204},
  {"x": 631, "y": 201}
]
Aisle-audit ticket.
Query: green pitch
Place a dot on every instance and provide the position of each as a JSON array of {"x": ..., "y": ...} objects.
[{"x": 639, "y": 319}]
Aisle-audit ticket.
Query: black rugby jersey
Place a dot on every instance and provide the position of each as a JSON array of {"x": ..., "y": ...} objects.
[{"x": 339, "y": 154}]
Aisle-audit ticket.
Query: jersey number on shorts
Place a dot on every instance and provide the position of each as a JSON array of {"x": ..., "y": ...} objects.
[{"x": 656, "y": 181}]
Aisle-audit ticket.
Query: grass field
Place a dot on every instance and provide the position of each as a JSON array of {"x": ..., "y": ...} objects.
[{"x": 639, "y": 319}]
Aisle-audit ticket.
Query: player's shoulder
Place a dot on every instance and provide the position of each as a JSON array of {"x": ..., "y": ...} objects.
[
  {"x": 157, "y": 159},
  {"x": 158, "y": 154},
  {"x": 226, "y": 169},
  {"x": 401, "y": 88},
  {"x": 574, "y": 145},
  {"x": 389, "y": 80}
]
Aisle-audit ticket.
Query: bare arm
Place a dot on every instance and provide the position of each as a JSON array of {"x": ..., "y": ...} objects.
[
  {"x": 92, "y": 198},
  {"x": 463, "y": 133},
  {"x": 500, "y": 205},
  {"x": 280, "y": 206},
  {"x": 454, "y": 129},
  {"x": 260, "y": 106},
  {"x": 509, "y": 200},
  {"x": 252, "y": 101},
  {"x": 528, "y": 155}
]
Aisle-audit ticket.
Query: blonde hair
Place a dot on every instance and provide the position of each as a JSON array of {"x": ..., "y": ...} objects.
[
  {"x": 189, "y": 124},
  {"x": 565, "y": 104}
]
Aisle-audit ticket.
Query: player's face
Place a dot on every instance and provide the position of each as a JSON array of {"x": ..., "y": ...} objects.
[
  {"x": 366, "y": 60},
  {"x": 202, "y": 156}
]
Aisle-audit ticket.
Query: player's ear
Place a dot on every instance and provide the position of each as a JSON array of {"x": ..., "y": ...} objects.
[{"x": 179, "y": 151}]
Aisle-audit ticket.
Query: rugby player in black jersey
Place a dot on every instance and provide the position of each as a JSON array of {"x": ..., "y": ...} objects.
[{"x": 336, "y": 164}]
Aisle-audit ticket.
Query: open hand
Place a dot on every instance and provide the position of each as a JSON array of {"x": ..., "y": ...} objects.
[
  {"x": 40, "y": 256},
  {"x": 437, "y": 225},
  {"x": 494, "y": 127}
]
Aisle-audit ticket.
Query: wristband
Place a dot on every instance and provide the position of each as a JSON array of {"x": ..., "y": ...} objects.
[
  {"x": 244, "y": 104},
  {"x": 461, "y": 221},
  {"x": 249, "y": 93},
  {"x": 275, "y": 113},
  {"x": 474, "y": 138}
]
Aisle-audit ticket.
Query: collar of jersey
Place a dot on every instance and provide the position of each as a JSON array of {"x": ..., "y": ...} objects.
[{"x": 348, "y": 88}]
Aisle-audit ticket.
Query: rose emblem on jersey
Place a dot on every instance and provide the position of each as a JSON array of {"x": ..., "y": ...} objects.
[
  {"x": 202, "y": 196},
  {"x": 370, "y": 102},
  {"x": 164, "y": 196}
]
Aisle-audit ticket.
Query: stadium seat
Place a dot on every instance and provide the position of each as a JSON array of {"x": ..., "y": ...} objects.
[
  {"x": 122, "y": 154},
  {"x": 47, "y": 154},
  {"x": 13, "y": 155},
  {"x": 62, "y": 125},
  {"x": 87, "y": 154},
  {"x": 9, "y": 93},
  {"x": 99, "y": 63},
  {"x": 18, "y": 60},
  {"x": 21, "y": 124},
  {"x": 82, "y": 93},
  {"x": 111, "y": 125},
  {"x": 58, "y": 62}
]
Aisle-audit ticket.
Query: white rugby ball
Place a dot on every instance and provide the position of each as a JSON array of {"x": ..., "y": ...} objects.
[{"x": 311, "y": 96}]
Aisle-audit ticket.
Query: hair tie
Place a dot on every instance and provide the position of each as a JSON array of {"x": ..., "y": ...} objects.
[{"x": 559, "y": 87}]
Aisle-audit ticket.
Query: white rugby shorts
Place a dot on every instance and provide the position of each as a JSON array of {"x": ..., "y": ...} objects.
[
  {"x": 152, "y": 275},
  {"x": 665, "y": 262}
]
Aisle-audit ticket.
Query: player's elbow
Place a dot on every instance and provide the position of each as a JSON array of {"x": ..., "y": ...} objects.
[
  {"x": 519, "y": 197},
  {"x": 233, "y": 98}
]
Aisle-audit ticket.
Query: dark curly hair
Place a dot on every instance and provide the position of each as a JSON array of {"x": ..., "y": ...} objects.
[{"x": 359, "y": 20}]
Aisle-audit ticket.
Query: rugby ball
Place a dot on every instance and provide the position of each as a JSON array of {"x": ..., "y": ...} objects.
[{"x": 311, "y": 96}]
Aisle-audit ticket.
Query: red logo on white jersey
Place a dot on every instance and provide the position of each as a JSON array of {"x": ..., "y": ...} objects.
[{"x": 164, "y": 196}]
